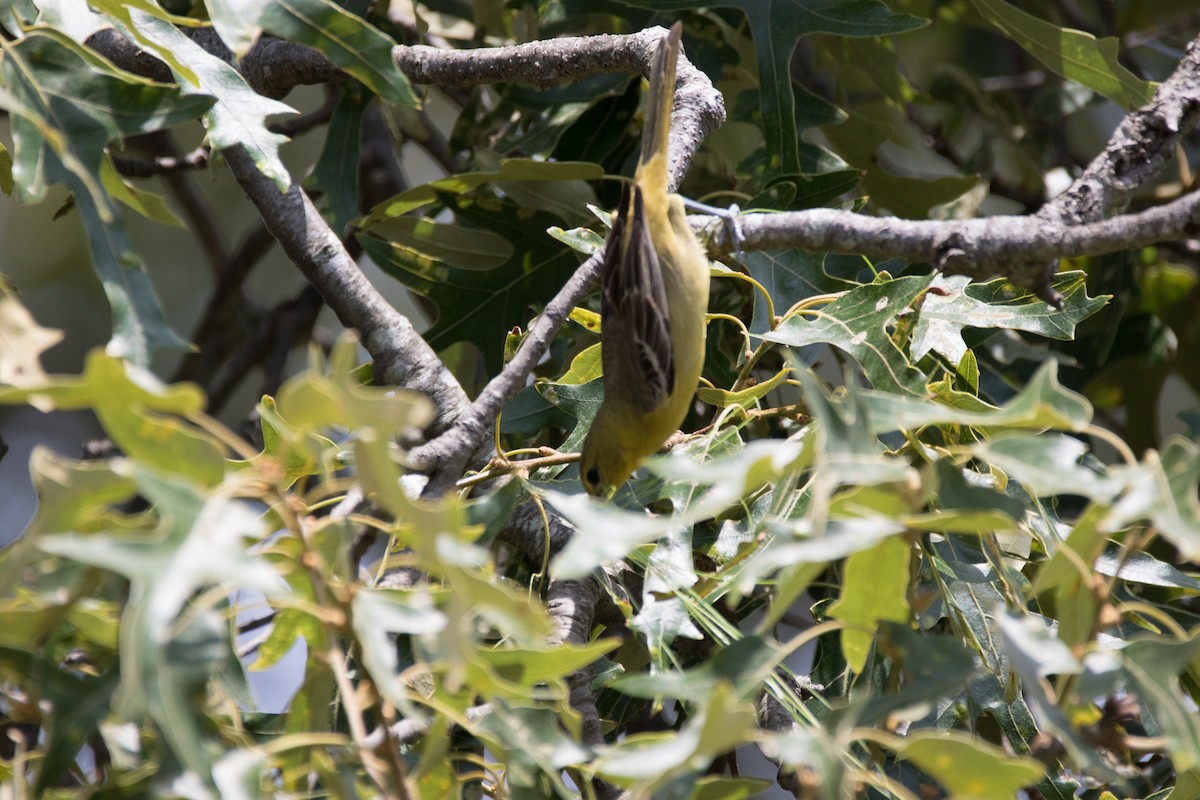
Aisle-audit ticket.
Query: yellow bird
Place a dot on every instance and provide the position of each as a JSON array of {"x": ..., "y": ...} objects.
[{"x": 654, "y": 295}]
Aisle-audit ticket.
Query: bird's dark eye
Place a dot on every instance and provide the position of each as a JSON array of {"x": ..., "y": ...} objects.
[{"x": 593, "y": 476}]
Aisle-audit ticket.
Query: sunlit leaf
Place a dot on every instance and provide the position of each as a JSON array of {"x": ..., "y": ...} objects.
[
  {"x": 22, "y": 340},
  {"x": 857, "y": 324},
  {"x": 969, "y": 768},
  {"x": 997, "y": 305},
  {"x": 202, "y": 541},
  {"x": 874, "y": 589},
  {"x": 1070, "y": 53},
  {"x": 513, "y": 169},
  {"x": 239, "y": 115},
  {"x": 1164, "y": 490},
  {"x": 649, "y": 760},
  {"x": 346, "y": 39}
]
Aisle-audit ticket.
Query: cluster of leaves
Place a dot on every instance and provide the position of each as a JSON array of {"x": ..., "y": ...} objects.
[{"x": 991, "y": 607}]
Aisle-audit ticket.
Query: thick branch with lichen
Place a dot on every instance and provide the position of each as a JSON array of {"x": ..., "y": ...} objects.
[{"x": 980, "y": 248}]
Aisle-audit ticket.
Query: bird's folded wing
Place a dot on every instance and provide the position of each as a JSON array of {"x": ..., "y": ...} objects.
[{"x": 637, "y": 352}]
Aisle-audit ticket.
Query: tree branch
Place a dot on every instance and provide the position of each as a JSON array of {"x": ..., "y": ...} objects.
[
  {"x": 980, "y": 247},
  {"x": 272, "y": 67},
  {"x": 1026, "y": 249},
  {"x": 401, "y": 356},
  {"x": 699, "y": 108},
  {"x": 1136, "y": 152},
  {"x": 132, "y": 167}
]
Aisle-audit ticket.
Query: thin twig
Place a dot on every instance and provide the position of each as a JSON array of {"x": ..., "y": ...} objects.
[{"x": 131, "y": 167}]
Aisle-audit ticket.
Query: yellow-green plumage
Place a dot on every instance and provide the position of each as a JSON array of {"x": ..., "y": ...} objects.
[{"x": 654, "y": 298}]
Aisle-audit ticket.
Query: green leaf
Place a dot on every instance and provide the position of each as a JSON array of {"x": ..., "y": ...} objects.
[
  {"x": 744, "y": 665},
  {"x": 777, "y": 25},
  {"x": 579, "y": 401},
  {"x": 965, "y": 489},
  {"x": 534, "y": 745},
  {"x": 1144, "y": 568},
  {"x": 239, "y": 115},
  {"x": 1042, "y": 403},
  {"x": 610, "y": 532},
  {"x": 376, "y": 613},
  {"x": 108, "y": 381},
  {"x": 336, "y": 173},
  {"x": 857, "y": 323},
  {"x": 22, "y": 340},
  {"x": 202, "y": 541},
  {"x": 967, "y": 767},
  {"x": 6, "y": 171},
  {"x": 1163, "y": 490},
  {"x": 874, "y": 590},
  {"x": 150, "y": 205},
  {"x": 1049, "y": 465},
  {"x": 350, "y": 42},
  {"x": 1069, "y": 577},
  {"x": 67, "y": 105},
  {"x": 812, "y": 749},
  {"x": 581, "y": 240},
  {"x": 298, "y": 453},
  {"x": 72, "y": 495},
  {"x": 997, "y": 304},
  {"x": 74, "y": 706},
  {"x": 566, "y": 199},
  {"x": 717, "y": 788},
  {"x": 1034, "y": 652},
  {"x": 528, "y": 667},
  {"x": 128, "y": 13},
  {"x": 457, "y": 246},
  {"x": 747, "y": 397},
  {"x": 788, "y": 277},
  {"x": 847, "y": 450},
  {"x": 1085, "y": 542},
  {"x": 647, "y": 761},
  {"x": 164, "y": 443},
  {"x": 807, "y": 190},
  {"x": 511, "y": 169},
  {"x": 68, "y": 99},
  {"x": 1073, "y": 54},
  {"x": 859, "y": 140},
  {"x": 1153, "y": 667},
  {"x": 312, "y": 401},
  {"x": 933, "y": 668},
  {"x": 663, "y": 615},
  {"x": 139, "y": 324},
  {"x": 481, "y": 306},
  {"x": 585, "y": 367},
  {"x": 840, "y": 538},
  {"x": 529, "y": 412}
]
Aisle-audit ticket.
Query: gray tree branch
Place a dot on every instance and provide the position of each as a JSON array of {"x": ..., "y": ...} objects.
[
  {"x": 400, "y": 355},
  {"x": 1137, "y": 151},
  {"x": 699, "y": 107},
  {"x": 981, "y": 247}
]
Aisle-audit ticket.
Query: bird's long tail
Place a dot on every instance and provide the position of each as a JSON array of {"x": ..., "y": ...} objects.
[{"x": 652, "y": 166}]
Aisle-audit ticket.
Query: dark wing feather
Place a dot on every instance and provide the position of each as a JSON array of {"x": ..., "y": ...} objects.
[{"x": 633, "y": 302}]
